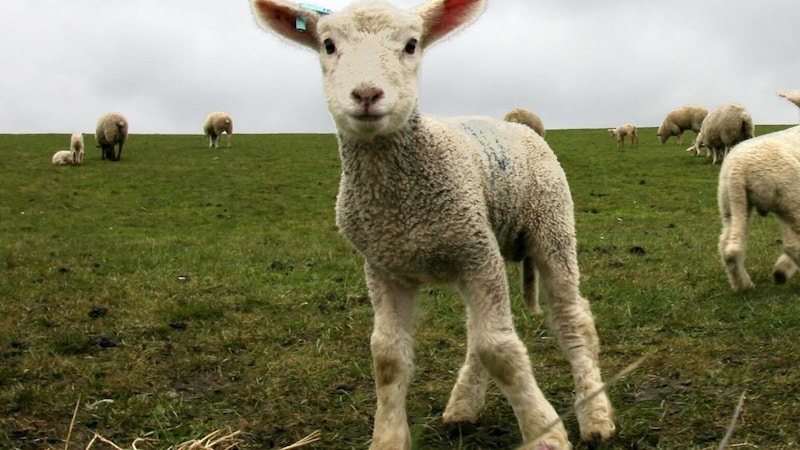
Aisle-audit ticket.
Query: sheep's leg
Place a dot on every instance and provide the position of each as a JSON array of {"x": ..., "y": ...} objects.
[
  {"x": 229, "y": 139},
  {"x": 392, "y": 358},
  {"x": 733, "y": 240},
  {"x": 786, "y": 266},
  {"x": 494, "y": 342},
  {"x": 572, "y": 322},
  {"x": 530, "y": 286},
  {"x": 119, "y": 154}
]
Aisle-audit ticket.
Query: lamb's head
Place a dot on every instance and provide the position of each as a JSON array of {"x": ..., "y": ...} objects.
[{"x": 370, "y": 54}]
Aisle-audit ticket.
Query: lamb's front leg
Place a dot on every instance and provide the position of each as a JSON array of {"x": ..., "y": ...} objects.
[
  {"x": 499, "y": 350},
  {"x": 392, "y": 358}
]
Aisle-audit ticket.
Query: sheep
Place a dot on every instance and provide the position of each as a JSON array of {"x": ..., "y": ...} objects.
[
  {"x": 112, "y": 129},
  {"x": 63, "y": 157},
  {"x": 215, "y": 124},
  {"x": 526, "y": 117},
  {"x": 723, "y": 128},
  {"x": 76, "y": 146},
  {"x": 687, "y": 117},
  {"x": 621, "y": 131},
  {"x": 446, "y": 200},
  {"x": 761, "y": 174}
]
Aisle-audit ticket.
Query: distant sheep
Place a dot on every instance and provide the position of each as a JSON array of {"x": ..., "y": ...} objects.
[
  {"x": 761, "y": 174},
  {"x": 215, "y": 124},
  {"x": 446, "y": 201},
  {"x": 687, "y": 117},
  {"x": 622, "y": 131},
  {"x": 76, "y": 146},
  {"x": 112, "y": 130},
  {"x": 723, "y": 128},
  {"x": 63, "y": 157},
  {"x": 526, "y": 117}
]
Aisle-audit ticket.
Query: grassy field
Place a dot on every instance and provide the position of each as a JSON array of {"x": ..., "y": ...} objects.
[{"x": 184, "y": 290}]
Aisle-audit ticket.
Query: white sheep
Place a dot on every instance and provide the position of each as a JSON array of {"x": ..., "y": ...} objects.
[
  {"x": 112, "y": 130},
  {"x": 526, "y": 117},
  {"x": 792, "y": 96},
  {"x": 215, "y": 124},
  {"x": 687, "y": 117},
  {"x": 63, "y": 157},
  {"x": 762, "y": 174},
  {"x": 723, "y": 128},
  {"x": 445, "y": 200},
  {"x": 623, "y": 130},
  {"x": 76, "y": 145}
]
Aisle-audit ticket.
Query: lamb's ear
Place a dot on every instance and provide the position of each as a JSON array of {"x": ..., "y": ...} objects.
[
  {"x": 442, "y": 17},
  {"x": 288, "y": 20}
]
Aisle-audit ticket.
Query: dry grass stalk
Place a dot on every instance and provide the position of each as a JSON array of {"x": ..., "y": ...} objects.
[
  {"x": 736, "y": 414},
  {"x": 311, "y": 438}
]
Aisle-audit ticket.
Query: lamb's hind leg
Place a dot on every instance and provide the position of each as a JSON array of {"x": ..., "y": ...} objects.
[
  {"x": 392, "y": 358},
  {"x": 787, "y": 263},
  {"x": 572, "y": 322},
  {"x": 494, "y": 344}
]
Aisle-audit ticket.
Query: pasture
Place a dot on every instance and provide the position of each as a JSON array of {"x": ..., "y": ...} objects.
[{"x": 184, "y": 290}]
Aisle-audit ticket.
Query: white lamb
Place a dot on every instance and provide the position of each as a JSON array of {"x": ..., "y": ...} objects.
[
  {"x": 687, "y": 117},
  {"x": 112, "y": 130},
  {"x": 63, "y": 157},
  {"x": 215, "y": 124},
  {"x": 762, "y": 174},
  {"x": 621, "y": 131},
  {"x": 445, "y": 200},
  {"x": 723, "y": 128},
  {"x": 792, "y": 96},
  {"x": 526, "y": 117},
  {"x": 76, "y": 145}
]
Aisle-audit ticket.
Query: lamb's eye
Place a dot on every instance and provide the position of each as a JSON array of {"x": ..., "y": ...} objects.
[
  {"x": 330, "y": 48},
  {"x": 411, "y": 46}
]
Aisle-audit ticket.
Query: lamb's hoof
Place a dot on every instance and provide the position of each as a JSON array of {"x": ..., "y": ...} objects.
[
  {"x": 780, "y": 277},
  {"x": 600, "y": 432},
  {"x": 460, "y": 429}
]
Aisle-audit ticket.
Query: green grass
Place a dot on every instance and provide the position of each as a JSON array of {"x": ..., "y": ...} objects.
[{"x": 183, "y": 290}]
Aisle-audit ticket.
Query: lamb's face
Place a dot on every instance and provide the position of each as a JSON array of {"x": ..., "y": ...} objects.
[{"x": 370, "y": 57}]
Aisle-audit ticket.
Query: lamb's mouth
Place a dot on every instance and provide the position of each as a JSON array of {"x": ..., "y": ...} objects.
[{"x": 368, "y": 117}]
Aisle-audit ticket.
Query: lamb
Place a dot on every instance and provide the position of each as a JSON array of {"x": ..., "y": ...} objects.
[
  {"x": 63, "y": 158},
  {"x": 760, "y": 174},
  {"x": 621, "y": 131},
  {"x": 215, "y": 124},
  {"x": 112, "y": 130},
  {"x": 446, "y": 200},
  {"x": 687, "y": 117},
  {"x": 76, "y": 146},
  {"x": 526, "y": 117},
  {"x": 723, "y": 128}
]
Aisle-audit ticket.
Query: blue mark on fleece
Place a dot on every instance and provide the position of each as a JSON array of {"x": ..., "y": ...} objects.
[{"x": 493, "y": 149}]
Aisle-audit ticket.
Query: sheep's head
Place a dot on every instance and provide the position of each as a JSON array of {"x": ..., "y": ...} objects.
[{"x": 370, "y": 54}]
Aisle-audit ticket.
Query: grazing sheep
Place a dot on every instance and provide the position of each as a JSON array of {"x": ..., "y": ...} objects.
[
  {"x": 76, "y": 145},
  {"x": 723, "y": 128},
  {"x": 762, "y": 174},
  {"x": 621, "y": 131},
  {"x": 429, "y": 200},
  {"x": 215, "y": 124},
  {"x": 112, "y": 129},
  {"x": 687, "y": 117},
  {"x": 63, "y": 157},
  {"x": 526, "y": 117}
]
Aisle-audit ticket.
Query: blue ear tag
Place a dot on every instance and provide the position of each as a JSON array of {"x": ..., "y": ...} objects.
[{"x": 300, "y": 23}]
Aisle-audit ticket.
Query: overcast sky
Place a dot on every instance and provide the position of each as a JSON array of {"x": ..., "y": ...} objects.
[{"x": 578, "y": 63}]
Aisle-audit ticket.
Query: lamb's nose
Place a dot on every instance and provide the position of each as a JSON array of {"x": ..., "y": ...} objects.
[{"x": 367, "y": 96}]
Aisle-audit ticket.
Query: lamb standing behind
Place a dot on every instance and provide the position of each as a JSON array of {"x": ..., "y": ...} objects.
[
  {"x": 792, "y": 96},
  {"x": 723, "y": 128},
  {"x": 761, "y": 174},
  {"x": 215, "y": 124},
  {"x": 687, "y": 117},
  {"x": 428, "y": 200},
  {"x": 63, "y": 157},
  {"x": 621, "y": 131},
  {"x": 526, "y": 117},
  {"x": 76, "y": 145},
  {"x": 112, "y": 130}
]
